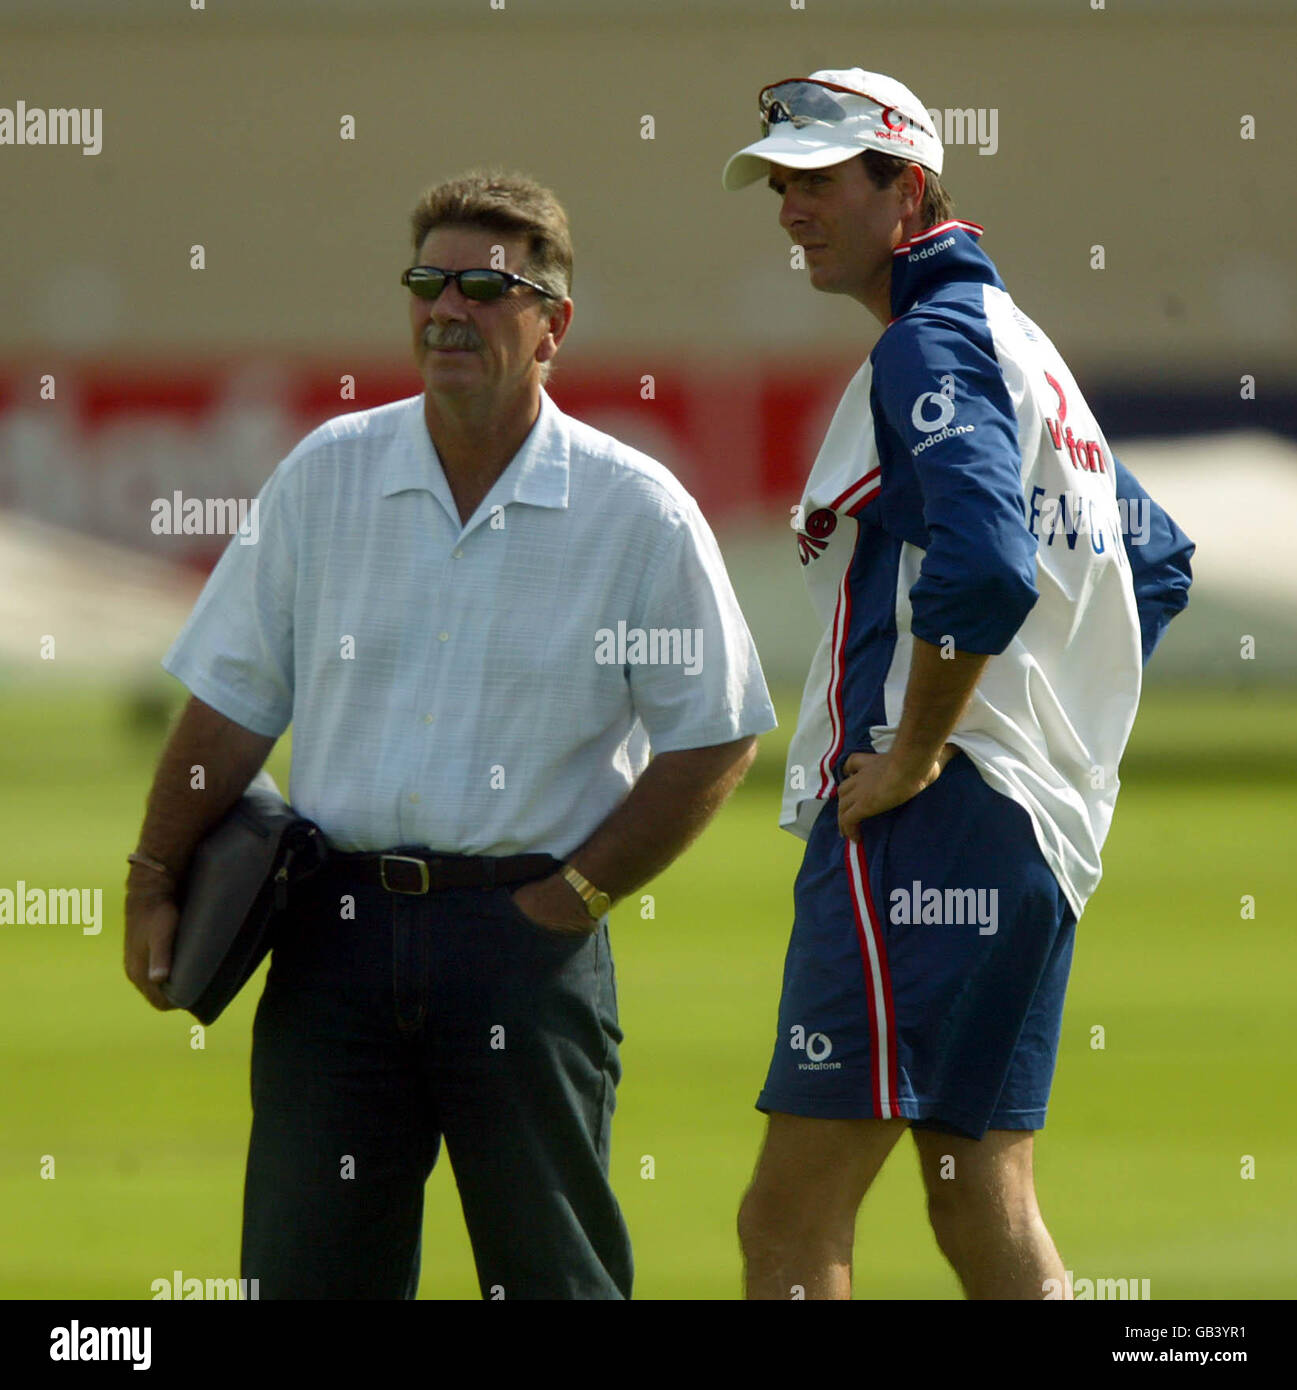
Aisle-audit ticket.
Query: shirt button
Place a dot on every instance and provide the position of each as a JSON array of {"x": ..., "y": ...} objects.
[
  {"x": 427, "y": 719},
  {"x": 443, "y": 637},
  {"x": 414, "y": 798},
  {"x": 456, "y": 554}
]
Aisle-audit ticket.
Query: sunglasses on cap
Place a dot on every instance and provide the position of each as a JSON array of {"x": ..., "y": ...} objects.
[
  {"x": 801, "y": 103},
  {"x": 428, "y": 281}
]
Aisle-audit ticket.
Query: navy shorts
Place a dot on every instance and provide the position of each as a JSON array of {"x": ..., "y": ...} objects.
[{"x": 927, "y": 967}]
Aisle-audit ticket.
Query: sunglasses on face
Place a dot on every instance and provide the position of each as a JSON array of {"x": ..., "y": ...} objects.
[{"x": 428, "y": 281}]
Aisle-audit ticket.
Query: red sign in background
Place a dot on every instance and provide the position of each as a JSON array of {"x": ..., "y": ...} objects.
[{"x": 90, "y": 446}]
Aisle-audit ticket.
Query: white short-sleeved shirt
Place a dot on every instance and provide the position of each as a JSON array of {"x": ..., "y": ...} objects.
[{"x": 489, "y": 688}]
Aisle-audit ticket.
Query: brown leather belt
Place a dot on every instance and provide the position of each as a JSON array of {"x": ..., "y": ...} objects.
[{"x": 417, "y": 872}]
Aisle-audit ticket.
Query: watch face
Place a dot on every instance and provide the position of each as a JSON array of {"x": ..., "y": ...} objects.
[{"x": 599, "y": 904}]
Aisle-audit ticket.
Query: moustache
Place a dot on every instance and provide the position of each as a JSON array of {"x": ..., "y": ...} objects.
[{"x": 451, "y": 336}]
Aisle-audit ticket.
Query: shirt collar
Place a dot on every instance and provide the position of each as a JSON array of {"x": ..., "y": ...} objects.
[
  {"x": 537, "y": 475},
  {"x": 948, "y": 251}
]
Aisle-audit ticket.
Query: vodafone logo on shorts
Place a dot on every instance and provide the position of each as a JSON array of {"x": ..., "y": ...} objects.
[
  {"x": 818, "y": 1048},
  {"x": 932, "y": 414}
]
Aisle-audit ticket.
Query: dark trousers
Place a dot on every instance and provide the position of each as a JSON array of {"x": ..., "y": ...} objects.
[{"x": 451, "y": 1015}]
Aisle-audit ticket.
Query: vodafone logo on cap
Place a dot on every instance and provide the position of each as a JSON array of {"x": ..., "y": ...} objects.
[{"x": 894, "y": 122}]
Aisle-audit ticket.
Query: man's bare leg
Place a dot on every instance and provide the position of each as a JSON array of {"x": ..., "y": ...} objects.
[
  {"x": 797, "y": 1221},
  {"x": 982, "y": 1205}
]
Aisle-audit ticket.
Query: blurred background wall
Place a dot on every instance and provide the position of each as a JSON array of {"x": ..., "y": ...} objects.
[{"x": 126, "y": 374}]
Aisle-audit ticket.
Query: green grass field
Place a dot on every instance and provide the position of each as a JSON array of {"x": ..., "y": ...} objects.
[{"x": 1138, "y": 1169}]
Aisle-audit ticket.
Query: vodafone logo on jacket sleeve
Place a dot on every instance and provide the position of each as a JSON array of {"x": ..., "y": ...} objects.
[{"x": 932, "y": 414}]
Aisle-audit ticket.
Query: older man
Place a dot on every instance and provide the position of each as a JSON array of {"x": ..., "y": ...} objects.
[
  {"x": 989, "y": 580},
  {"x": 430, "y": 606}
]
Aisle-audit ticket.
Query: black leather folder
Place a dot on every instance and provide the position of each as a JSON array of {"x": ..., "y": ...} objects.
[{"x": 234, "y": 895}]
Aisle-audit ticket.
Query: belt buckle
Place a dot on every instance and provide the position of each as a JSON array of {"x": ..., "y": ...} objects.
[{"x": 403, "y": 859}]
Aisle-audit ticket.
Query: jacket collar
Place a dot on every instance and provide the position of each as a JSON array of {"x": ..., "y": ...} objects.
[{"x": 948, "y": 251}]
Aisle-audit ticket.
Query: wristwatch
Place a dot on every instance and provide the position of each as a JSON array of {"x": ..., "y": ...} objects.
[{"x": 596, "y": 902}]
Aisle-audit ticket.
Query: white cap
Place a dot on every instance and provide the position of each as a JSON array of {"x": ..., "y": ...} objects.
[{"x": 832, "y": 116}]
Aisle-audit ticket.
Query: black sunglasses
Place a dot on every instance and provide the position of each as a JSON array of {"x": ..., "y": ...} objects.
[{"x": 428, "y": 281}]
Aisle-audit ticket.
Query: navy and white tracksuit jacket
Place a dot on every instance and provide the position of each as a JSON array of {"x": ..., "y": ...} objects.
[{"x": 965, "y": 494}]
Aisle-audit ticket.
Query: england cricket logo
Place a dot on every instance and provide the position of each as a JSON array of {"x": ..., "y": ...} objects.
[{"x": 814, "y": 540}]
